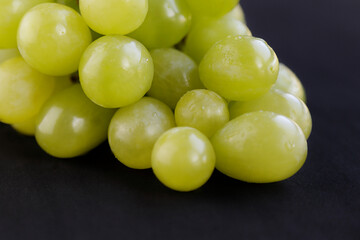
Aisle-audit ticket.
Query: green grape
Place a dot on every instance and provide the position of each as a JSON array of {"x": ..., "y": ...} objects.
[
  {"x": 6, "y": 54},
  {"x": 71, "y": 3},
  {"x": 278, "y": 102},
  {"x": 11, "y": 12},
  {"x": 70, "y": 125},
  {"x": 239, "y": 68},
  {"x": 175, "y": 74},
  {"x": 28, "y": 127},
  {"x": 202, "y": 109},
  {"x": 211, "y": 7},
  {"x": 166, "y": 23},
  {"x": 134, "y": 130},
  {"x": 23, "y": 90},
  {"x": 260, "y": 147},
  {"x": 237, "y": 13},
  {"x": 288, "y": 82},
  {"x": 52, "y": 37},
  {"x": 114, "y": 16},
  {"x": 207, "y": 31},
  {"x": 183, "y": 159},
  {"x": 116, "y": 71}
]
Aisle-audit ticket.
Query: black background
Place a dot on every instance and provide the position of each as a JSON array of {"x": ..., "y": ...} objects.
[{"x": 95, "y": 197}]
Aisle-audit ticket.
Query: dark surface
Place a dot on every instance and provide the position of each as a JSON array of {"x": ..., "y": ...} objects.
[{"x": 95, "y": 197}]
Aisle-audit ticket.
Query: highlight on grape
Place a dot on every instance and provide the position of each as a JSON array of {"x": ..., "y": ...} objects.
[{"x": 178, "y": 86}]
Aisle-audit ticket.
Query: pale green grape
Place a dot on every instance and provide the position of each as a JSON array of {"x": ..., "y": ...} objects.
[
  {"x": 134, "y": 130},
  {"x": 183, "y": 159},
  {"x": 202, "y": 109},
  {"x": 71, "y": 3},
  {"x": 23, "y": 90},
  {"x": 260, "y": 147},
  {"x": 207, "y": 31},
  {"x": 237, "y": 13},
  {"x": 52, "y": 38},
  {"x": 166, "y": 23},
  {"x": 28, "y": 127},
  {"x": 114, "y": 16},
  {"x": 288, "y": 82},
  {"x": 6, "y": 54},
  {"x": 11, "y": 12},
  {"x": 116, "y": 71},
  {"x": 239, "y": 68},
  {"x": 175, "y": 74},
  {"x": 70, "y": 124},
  {"x": 278, "y": 102},
  {"x": 211, "y": 7}
]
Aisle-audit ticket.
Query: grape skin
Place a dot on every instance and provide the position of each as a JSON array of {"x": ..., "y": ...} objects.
[
  {"x": 52, "y": 37},
  {"x": 70, "y": 125},
  {"x": 239, "y": 68},
  {"x": 211, "y": 7},
  {"x": 116, "y": 71},
  {"x": 183, "y": 159},
  {"x": 260, "y": 147},
  {"x": 167, "y": 22},
  {"x": 134, "y": 130},
  {"x": 202, "y": 109}
]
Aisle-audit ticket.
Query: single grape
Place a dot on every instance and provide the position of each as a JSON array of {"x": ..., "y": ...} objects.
[
  {"x": 260, "y": 147},
  {"x": 237, "y": 13},
  {"x": 28, "y": 127},
  {"x": 52, "y": 37},
  {"x": 211, "y": 7},
  {"x": 183, "y": 159},
  {"x": 114, "y": 16},
  {"x": 6, "y": 54},
  {"x": 288, "y": 82},
  {"x": 206, "y": 31},
  {"x": 239, "y": 68},
  {"x": 134, "y": 130},
  {"x": 116, "y": 71},
  {"x": 70, "y": 124},
  {"x": 166, "y": 23},
  {"x": 202, "y": 109},
  {"x": 23, "y": 90},
  {"x": 278, "y": 102},
  {"x": 11, "y": 12},
  {"x": 175, "y": 74}
]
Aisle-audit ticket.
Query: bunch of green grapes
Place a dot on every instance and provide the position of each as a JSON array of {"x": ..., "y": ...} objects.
[{"x": 179, "y": 86}]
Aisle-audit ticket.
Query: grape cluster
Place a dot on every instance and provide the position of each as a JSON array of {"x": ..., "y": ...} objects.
[{"x": 179, "y": 86}]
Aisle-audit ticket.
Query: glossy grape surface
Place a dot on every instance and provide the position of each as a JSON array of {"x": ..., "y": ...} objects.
[
  {"x": 52, "y": 38},
  {"x": 183, "y": 159},
  {"x": 278, "y": 102},
  {"x": 260, "y": 147},
  {"x": 114, "y": 16},
  {"x": 6, "y": 54},
  {"x": 207, "y": 31},
  {"x": 175, "y": 74},
  {"x": 28, "y": 127},
  {"x": 11, "y": 12},
  {"x": 211, "y": 7},
  {"x": 237, "y": 13},
  {"x": 239, "y": 68},
  {"x": 23, "y": 90},
  {"x": 134, "y": 130},
  {"x": 116, "y": 71},
  {"x": 288, "y": 82},
  {"x": 202, "y": 109},
  {"x": 70, "y": 124},
  {"x": 166, "y": 23}
]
